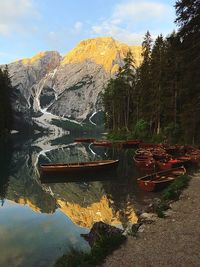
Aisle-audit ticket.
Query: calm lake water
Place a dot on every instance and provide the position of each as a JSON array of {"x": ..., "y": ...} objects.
[{"x": 39, "y": 222}]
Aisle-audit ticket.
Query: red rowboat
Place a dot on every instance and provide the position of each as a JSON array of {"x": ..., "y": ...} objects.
[
  {"x": 144, "y": 162},
  {"x": 78, "y": 168},
  {"x": 159, "y": 180},
  {"x": 102, "y": 143}
]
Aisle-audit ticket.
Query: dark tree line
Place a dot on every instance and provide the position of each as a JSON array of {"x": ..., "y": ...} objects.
[
  {"x": 161, "y": 98},
  {"x": 5, "y": 102}
]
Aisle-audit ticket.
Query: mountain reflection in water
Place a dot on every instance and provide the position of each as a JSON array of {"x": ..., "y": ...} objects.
[{"x": 45, "y": 219}]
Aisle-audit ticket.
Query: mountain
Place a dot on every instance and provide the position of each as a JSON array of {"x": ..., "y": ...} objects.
[{"x": 68, "y": 87}]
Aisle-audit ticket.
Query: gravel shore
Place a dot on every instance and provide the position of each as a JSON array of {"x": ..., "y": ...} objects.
[{"x": 173, "y": 241}]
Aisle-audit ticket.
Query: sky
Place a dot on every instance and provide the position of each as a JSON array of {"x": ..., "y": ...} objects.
[{"x": 30, "y": 26}]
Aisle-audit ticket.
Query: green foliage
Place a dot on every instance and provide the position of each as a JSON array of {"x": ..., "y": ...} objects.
[
  {"x": 164, "y": 90},
  {"x": 119, "y": 97},
  {"x": 140, "y": 129},
  {"x": 188, "y": 20},
  {"x": 118, "y": 135},
  {"x": 173, "y": 133},
  {"x": 158, "y": 138},
  {"x": 172, "y": 192},
  {"x": 102, "y": 248}
]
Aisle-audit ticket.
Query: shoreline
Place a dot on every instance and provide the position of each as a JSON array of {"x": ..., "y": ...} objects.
[{"x": 172, "y": 241}]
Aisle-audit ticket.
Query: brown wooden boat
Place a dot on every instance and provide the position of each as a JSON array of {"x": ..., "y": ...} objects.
[
  {"x": 102, "y": 143},
  {"x": 142, "y": 151},
  {"x": 78, "y": 168},
  {"x": 159, "y": 154},
  {"x": 165, "y": 164},
  {"x": 84, "y": 140},
  {"x": 144, "y": 162},
  {"x": 159, "y": 180},
  {"x": 149, "y": 145},
  {"x": 194, "y": 155},
  {"x": 174, "y": 149},
  {"x": 131, "y": 144}
]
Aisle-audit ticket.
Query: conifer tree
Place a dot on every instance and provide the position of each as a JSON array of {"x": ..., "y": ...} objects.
[
  {"x": 5, "y": 102},
  {"x": 144, "y": 84},
  {"x": 118, "y": 97},
  {"x": 188, "y": 19},
  {"x": 157, "y": 80}
]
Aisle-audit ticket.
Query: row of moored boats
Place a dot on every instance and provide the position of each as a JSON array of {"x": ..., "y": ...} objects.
[{"x": 163, "y": 163}]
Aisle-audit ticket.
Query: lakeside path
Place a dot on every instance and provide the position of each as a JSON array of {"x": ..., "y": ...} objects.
[{"x": 173, "y": 241}]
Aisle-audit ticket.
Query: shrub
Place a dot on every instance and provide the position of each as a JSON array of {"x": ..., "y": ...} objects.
[{"x": 102, "y": 248}]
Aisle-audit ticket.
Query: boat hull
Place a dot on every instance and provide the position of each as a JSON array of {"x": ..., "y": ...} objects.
[
  {"x": 78, "y": 168},
  {"x": 102, "y": 143},
  {"x": 84, "y": 140},
  {"x": 151, "y": 186},
  {"x": 159, "y": 180}
]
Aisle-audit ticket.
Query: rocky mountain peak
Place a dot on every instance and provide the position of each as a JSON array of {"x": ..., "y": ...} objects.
[
  {"x": 103, "y": 51},
  {"x": 47, "y": 85},
  {"x": 47, "y": 56}
]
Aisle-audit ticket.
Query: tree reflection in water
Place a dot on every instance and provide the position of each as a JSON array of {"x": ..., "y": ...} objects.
[{"x": 5, "y": 159}]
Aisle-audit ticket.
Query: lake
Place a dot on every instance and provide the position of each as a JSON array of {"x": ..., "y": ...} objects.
[{"x": 41, "y": 221}]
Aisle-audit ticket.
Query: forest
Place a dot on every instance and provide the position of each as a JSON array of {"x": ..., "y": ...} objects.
[
  {"x": 5, "y": 103},
  {"x": 160, "y": 100}
]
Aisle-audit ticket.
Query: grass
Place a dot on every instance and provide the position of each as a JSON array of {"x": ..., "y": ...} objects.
[
  {"x": 102, "y": 248},
  {"x": 172, "y": 193}
]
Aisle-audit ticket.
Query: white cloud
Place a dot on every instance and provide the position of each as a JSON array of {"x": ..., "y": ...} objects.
[
  {"x": 142, "y": 10},
  {"x": 118, "y": 33},
  {"x": 15, "y": 13},
  {"x": 78, "y": 26},
  {"x": 130, "y": 20}
]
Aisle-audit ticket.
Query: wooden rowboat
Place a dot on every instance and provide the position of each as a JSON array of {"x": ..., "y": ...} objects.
[
  {"x": 84, "y": 140},
  {"x": 144, "y": 162},
  {"x": 78, "y": 168},
  {"x": 174, "y": 163},
  {"x": 102, "y": 143},
  {"x": 148, "y": 145},
  {"x": 159, "y": 180}
]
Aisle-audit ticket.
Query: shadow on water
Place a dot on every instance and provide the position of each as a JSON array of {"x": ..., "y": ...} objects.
[
  {"x": 5, "y": 161},
  {"x": 72, "y": 178}
]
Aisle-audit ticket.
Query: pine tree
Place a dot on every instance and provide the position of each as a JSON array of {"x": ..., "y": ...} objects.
[
  {"x": 144, "y": 84},
  {"x": 158, "y": 76},
  {"x": 126, "y": 77},
  {"x": 188, "y": 19},
  {"x": 173, "y": 84},
  {"x": 5, "y": 101},
  {"x": 118, "y": 97}
]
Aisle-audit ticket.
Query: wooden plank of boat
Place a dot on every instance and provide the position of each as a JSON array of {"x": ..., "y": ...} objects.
[
  {"x": 144, "y": 162},
  {"x": 102, "y": 143},
  {"x": 173, "y": 149},
  {"x": 194, "y": 156},
  {"x": 148, "y": 145},
  {"x": 173, "y": 163},
  {"x": 168, "y": 164},
  {"x": 78, "y": 167},
  {"x": 159, "y": 180},
  {"x": 84, "y": 140}
]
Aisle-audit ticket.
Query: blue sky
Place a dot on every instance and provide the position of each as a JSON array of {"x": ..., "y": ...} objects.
[{"x": 30, "y": 26}]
